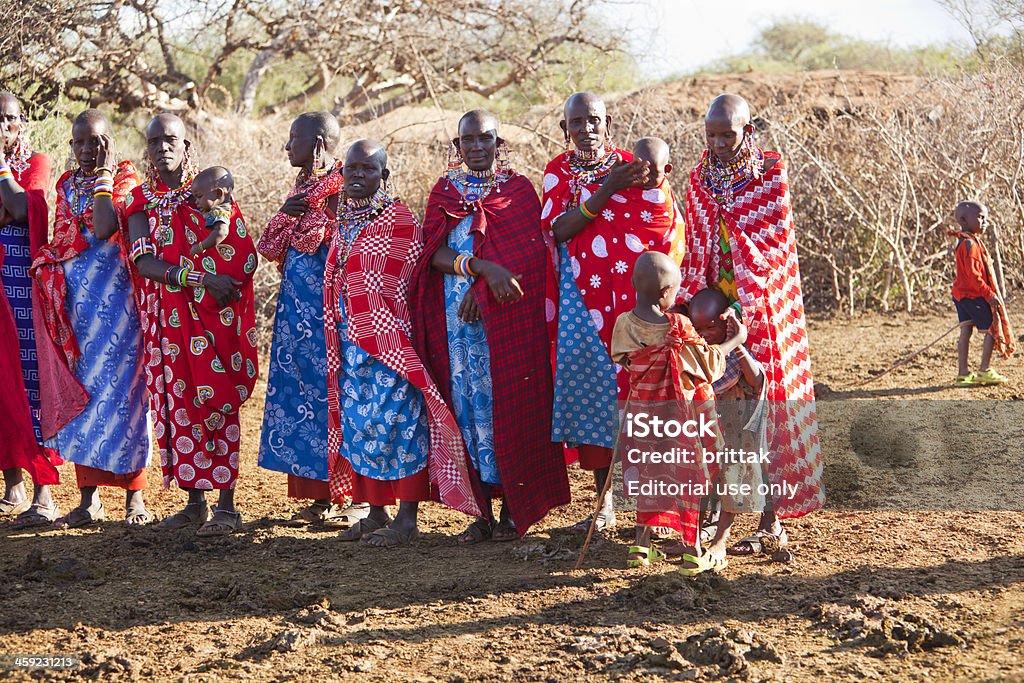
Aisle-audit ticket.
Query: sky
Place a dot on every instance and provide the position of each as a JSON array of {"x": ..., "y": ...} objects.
[{"x": 677, "y": 36}]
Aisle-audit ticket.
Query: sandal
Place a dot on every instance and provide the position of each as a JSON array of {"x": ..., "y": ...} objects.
[
  {"x": 345, "y": 518},
  {"x": 182, "y": 520},
  {"x": 479, "y": 531},
  {"x": 392, "y": 537},
  {"x": 315, "y": 514},
  {"x": 363, "y": 527},
  {"x": 651, "y": 555},
  {"x": 965, "y": 380},
  {"x": 36, "y": 515},
  {"x": 988, "y": 378},
  {"x": 504, "y": 531},
  {"x": 760, "y": 541},
  {"x": 228, "y": 523},
  {"x": 9, "y": 507},
  {"x": 81, "y": 517},
  {"x": 705, "y": 563}
]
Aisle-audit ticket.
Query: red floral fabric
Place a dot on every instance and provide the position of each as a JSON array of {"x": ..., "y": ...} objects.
[{"x": 307, "y": 233}]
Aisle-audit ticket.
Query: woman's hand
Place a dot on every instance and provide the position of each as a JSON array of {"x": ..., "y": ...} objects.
[
  {"x": 296, "y": 205},
  {"x": 468, "y": 311},
  {"x": 223, "y": 288},
  {"x": 106, "y": 152},
  {"x": 503, "y": 284},
  {"x": 628, "y": 174}
]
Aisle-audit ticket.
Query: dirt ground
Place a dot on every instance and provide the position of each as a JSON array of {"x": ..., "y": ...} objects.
[{"x": 912, "y": 572}]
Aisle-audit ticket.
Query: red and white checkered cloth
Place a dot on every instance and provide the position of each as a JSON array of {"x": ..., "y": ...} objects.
[
  {"x": 375, "y": 282},
  {"x": 761, "y": 237}
]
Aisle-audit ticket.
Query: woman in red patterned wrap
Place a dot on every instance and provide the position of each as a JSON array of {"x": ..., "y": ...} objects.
[
  {"x": 199, "y": 330},
  {"x": 740, "y": 240}
]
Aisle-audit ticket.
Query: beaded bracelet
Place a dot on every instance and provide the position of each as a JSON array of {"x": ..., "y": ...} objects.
[
  {"x": 586, "y": 212},
  {"x": 103, "y": 183},
  {"x": 195, "y": 278},
  {"x": 104, "y": 169},
  {"x": 5, "y": 173},
  {"x": 176, "y": 275},
  {"x": 97, "y": 195},
  {"x": 140, "y": 248},
  {"x": 465, "y": 265},
  {"x": 461, "y": 265},
  {"x": 739, "y": 309}
]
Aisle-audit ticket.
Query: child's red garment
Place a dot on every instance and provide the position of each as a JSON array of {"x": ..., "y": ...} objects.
[
  {"x": 977, "y": 271},
  {"x": 660, "y": 382},
  {"x": 971, "y": 269}
]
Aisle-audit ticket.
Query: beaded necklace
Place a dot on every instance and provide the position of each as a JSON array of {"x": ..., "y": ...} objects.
[
  {"x": 726, "y": 180},
  {"x": 475, "y": 186},
  {"x": 357, "y": 214},
  {"x": 80, "y": 187},
  {"x": 314, "y": 175},
  {"x": 166, "y": 201},
  {"x": 589, "y": 168}
]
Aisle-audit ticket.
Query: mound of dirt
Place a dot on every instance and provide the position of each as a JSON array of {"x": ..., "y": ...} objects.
[{"x": 820, "y": 92}]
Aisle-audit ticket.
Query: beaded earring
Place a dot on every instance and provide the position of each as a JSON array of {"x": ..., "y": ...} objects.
[
  {"x": 320, "y": 166},
  {"x": 502, "y": 164},
  {"x": 20, "y": 152},
  {"x": 454, "y": 159},
  {"x": 189, "y": 167},
  {"x": 568, "y": 144}
]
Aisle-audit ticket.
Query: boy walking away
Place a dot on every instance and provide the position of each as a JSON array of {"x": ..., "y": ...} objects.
[{"x": 976, "y": 295}]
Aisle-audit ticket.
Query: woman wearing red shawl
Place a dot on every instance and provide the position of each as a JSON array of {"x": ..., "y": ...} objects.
[
  {"x": 294, "y": 435},
  {"x": 482, "y": 333},
  {"x": 199, "y": 330},
  {"x": 594, "y": 207},
  {"x": 43, "y": 395},
  {"x": 391, "y": 436},
  {"x": 740, "y": 241},
  {"x": 90, "y": 314}
]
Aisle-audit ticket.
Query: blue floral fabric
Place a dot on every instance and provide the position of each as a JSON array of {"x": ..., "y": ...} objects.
[
  {"x": 385, "y": 431},
  {"x": 470, "y": 364},
  {"x": 112, "y": 433},
  {"x": 18, "y": 288},
  {"x": 586, "y": 394},
  {"x": 294, "y": 435}
]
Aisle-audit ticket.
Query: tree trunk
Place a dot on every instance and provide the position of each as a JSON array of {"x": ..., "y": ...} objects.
[{"x": 260, "y": 63}]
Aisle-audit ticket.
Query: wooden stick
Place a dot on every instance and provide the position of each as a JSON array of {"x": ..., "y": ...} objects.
[{"x": 914, "y": 354}]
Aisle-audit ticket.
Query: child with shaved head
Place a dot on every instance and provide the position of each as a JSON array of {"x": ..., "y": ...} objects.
[
  {"x": 976, "y": 296},
  {"x": 211, "y": 193},
  {"x": 671, "y": 369},
  {"x": 740, "y": 398}
]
